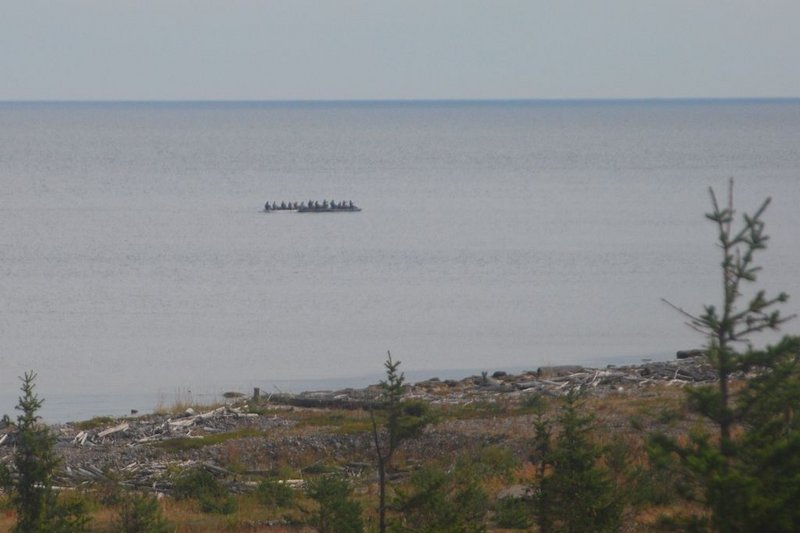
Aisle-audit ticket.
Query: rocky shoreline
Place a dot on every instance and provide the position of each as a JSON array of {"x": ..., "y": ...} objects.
[
  {"x": 548, "y": 380},
  {"x": 141, "y": 451}
]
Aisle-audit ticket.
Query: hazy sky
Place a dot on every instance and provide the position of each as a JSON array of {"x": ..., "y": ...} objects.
[{"x": 386, "y": 49}]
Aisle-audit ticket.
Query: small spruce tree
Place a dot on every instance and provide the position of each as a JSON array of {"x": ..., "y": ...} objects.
[
  {"x": 34, "y": 460},
  {"x": 573, "y": 493},
  {"x": 337, "y": 513},
  {"x": 140, "y": 513},
  {"x": 35, "y": 464},
  {"x": 402, "y": 422},
  {"x": 440, "y": 501}
]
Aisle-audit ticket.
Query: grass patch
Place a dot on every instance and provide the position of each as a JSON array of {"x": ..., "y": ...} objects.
[
  {"x": 343, "y": 422},
  {"x": 472, "y": 410},
  {"x": 181, "y": 401},
  {"x": 260, "y": 410},
  {"x": 273, "y": 492},
  {"x": 194, "y": 443},
  {"x": 96, "y": 422}
]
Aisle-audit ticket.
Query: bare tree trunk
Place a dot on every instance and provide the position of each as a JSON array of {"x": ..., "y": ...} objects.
[
  {"x": 381, "y": 476},
  {"x": 382, "y": 497}
]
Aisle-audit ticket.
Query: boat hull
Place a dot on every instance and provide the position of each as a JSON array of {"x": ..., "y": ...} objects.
[
  {"x": 313, "y": 207},
  {"x": 328, "y": 210}
]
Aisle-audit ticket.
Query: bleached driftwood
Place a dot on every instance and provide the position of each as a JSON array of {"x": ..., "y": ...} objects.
[{"x": 110, "y": 431}]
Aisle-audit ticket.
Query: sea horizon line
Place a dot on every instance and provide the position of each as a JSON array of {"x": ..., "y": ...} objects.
[{"x": 411, "y": 101}]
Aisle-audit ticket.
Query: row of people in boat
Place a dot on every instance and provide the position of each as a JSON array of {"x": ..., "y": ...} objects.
[{"x": 312, "y": 204}]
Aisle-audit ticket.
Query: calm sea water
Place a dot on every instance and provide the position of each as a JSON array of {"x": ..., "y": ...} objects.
[{"x": 136, "y": 263}]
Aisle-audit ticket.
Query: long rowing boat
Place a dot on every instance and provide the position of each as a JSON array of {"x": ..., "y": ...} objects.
[{"x": 311, "y": 207}]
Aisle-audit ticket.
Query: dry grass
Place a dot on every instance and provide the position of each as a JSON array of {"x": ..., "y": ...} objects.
[
  {"x": 340, "y": 421},
  {"x": 194, "y": 443},
  {"x": 183, "y": 399},
  {"x": 7, "y": 519},
  {"x": 623, "y": 419},
  {"x": 486, "y": 433},
  {"x": 249, "y": 516}
]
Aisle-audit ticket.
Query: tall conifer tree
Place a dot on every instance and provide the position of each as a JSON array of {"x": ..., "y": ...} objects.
[{"x": 749, "y": 471}]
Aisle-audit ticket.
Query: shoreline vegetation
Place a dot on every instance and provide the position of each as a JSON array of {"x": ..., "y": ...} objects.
[{"x": 483, "y": 425}]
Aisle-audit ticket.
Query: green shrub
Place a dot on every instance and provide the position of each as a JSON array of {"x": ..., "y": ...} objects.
[
  {"x": 69, "y": 515},
  {"x": 210, "y": 494},
  {"x": 497, "y": 461},
  {"x": 533, "y": 402},
  {"x": 140, "y": 513},
  {"x": 439, "y": 502},
  {"x": 319, "y": 468},
  {"x": 276, "y": 493},
  {"x": 337, "y": 512},
  {"x": 194, "y": 483},
  {"x": 218, "y": 504},
  {"x": 415, "y": 408},
  {"x": 512, "y": 513}
]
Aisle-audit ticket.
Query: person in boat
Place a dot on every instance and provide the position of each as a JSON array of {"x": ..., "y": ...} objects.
[
  {"x": 266, "y": 206},
  {"x": 351, "y": 204},
  {"x": 274, "y": 205}
]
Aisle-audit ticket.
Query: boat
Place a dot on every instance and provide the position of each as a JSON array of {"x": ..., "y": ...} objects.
[
  {"x": 311, "y": 207},
  {"x": 329, "y": 209}
]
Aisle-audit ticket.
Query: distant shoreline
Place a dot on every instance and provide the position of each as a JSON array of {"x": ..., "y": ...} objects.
[{"x": 76, "y": 406}]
